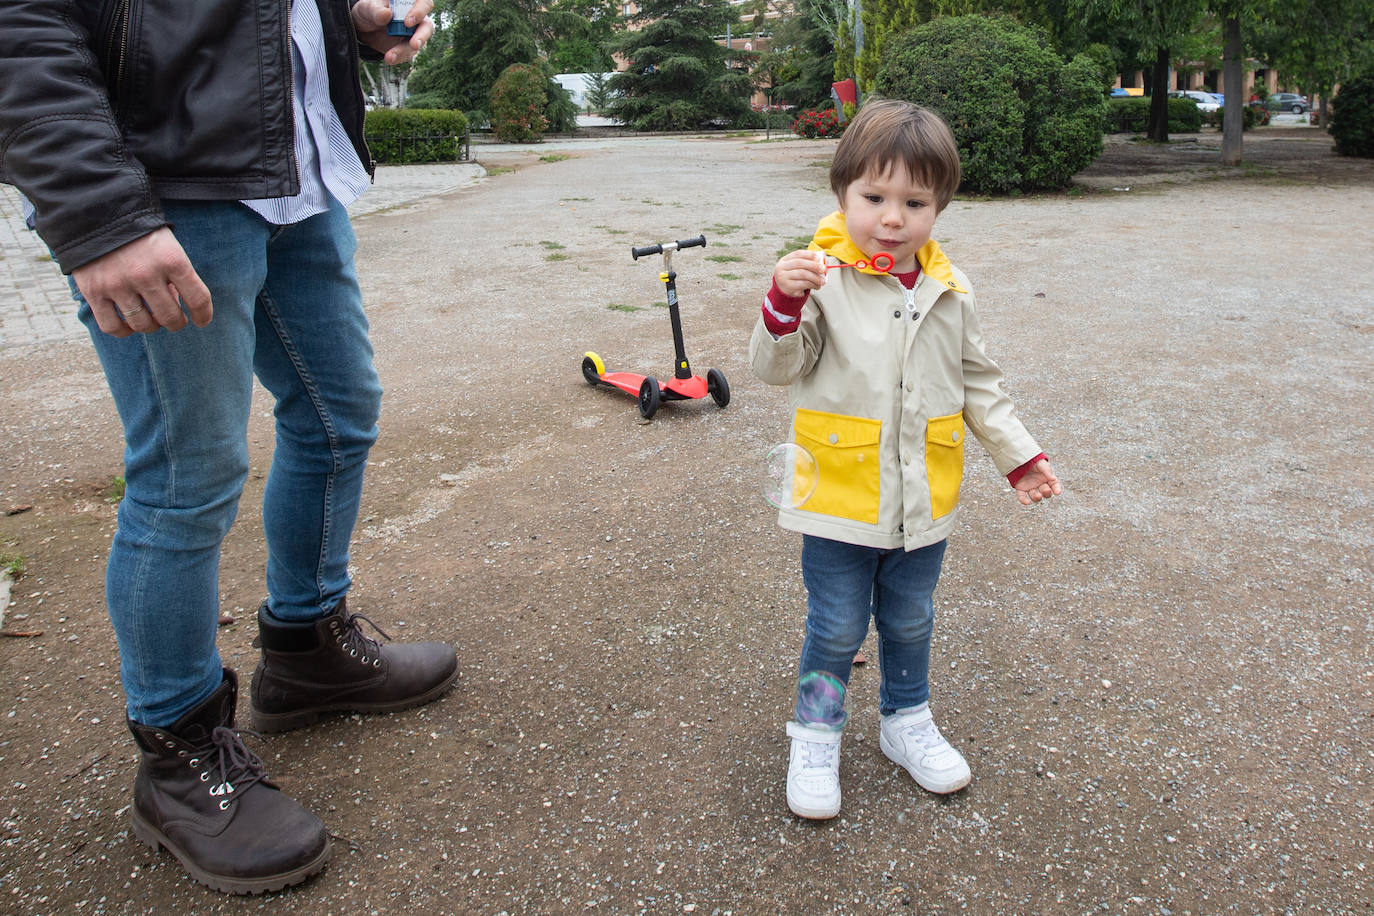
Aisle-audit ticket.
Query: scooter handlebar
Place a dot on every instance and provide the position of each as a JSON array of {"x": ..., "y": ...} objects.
[{"x": 698, "y": 242}]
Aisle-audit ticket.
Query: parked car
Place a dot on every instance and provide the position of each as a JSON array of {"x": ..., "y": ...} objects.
[
  {"x": 1204, "y": 100},
  {"x": 1288, "y": 101}
]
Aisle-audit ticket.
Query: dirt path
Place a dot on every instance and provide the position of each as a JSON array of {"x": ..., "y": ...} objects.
[{"x": 1163, "y": 682}]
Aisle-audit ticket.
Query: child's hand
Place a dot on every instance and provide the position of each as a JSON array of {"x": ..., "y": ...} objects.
[
  {"x": 1038, "y": 483},
  {"x": 799, "y": 272}
]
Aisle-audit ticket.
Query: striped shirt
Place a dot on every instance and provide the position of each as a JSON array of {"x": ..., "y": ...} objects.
[{"x": 325, "y": 158}]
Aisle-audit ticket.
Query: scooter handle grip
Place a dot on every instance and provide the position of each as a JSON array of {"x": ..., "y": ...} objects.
[{"x": 698, "y": 242}]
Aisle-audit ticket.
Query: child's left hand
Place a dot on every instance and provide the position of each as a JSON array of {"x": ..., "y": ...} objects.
[{"x": 1038, "y": 483}]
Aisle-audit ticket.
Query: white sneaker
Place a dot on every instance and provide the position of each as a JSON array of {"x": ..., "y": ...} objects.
[
  {"x": 910, "y": 738},
  {"x": 813, "y": 772}
]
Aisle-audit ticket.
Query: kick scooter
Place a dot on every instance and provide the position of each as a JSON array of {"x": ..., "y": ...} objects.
[{"x": 683, "y": 385}]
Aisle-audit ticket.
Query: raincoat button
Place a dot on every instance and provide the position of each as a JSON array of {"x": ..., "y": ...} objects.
[
  {"x": 915, "y": 316},
  {"x": 897, "y": 314},
  {"x": 834, "y": 438}
]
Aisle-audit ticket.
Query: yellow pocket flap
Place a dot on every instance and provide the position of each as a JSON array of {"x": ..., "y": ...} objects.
[
  {"x": 836, "y": 430},
  {"x": 947, "y": 431}
]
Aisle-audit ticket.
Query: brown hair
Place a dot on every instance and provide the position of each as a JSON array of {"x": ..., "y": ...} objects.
[{"x": 890, "y": 131}]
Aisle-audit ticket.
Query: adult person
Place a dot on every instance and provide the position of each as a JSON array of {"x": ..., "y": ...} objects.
[{"x": 189, "y": 165}]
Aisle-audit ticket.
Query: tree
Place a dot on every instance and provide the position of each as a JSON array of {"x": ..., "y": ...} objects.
[
  {"x": 812, "y": 35},
  {"x": 578, "y": 43},
  {"x": 679, "y": 77},
  {"x": 1319, "y": 43},
  {"x": 1158, "y": 25},
  {"x": 388, "y": 85},
  {"x": 478, "y": 40}
]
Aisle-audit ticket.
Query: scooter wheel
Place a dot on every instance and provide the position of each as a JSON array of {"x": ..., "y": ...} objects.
[
  {"x": 718, "y": 388},
  {"x": 592, "y": 368},
  {"x": 648, "y": 398}
]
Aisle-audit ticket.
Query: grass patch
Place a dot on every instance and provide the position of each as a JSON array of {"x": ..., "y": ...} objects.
[
  {"x": 41, "y": 258},
  {"x": 552, "y": 245},
  {"x": 13, "y": 565},
  {"x": 723, "y": 228},
  {"x": 730, "y": 276},
  {"x": 554, "y": 157},
  {"x": 795, "y": 243},
  {"x": 116, "y": 491},
  {"x": 651, "y": 202},
  {"x": 723, "y": 258},
  {"x": 574, "y": 198},
  {"x": 500, "y": 169},
  {"x": 558, "y": 256},
  {"x": 622, "y": 307}
]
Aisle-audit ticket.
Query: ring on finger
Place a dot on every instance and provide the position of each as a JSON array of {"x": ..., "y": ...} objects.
[{"x": 131, "y": 312}]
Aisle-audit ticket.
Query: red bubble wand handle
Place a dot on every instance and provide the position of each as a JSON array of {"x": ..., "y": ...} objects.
[{"x": 882, "y": 262}]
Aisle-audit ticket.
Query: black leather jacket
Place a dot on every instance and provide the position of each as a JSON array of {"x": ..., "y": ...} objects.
[{"x": 109, "y": 106}]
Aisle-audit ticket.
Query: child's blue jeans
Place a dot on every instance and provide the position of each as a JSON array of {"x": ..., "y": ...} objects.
[{"x": 845, "y": 585}]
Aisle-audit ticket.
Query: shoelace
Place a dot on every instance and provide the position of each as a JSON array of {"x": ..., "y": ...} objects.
[
  {"x": 816, "y": 754},
  {"x": 926, "y": 734},
  {"x": 238, "y": 766},
  {"x": 356, "y": 640}
]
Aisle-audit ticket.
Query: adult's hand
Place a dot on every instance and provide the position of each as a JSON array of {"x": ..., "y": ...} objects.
[
  {"x": 370, "y": 18},
  {"x": 141, "y": 286}
]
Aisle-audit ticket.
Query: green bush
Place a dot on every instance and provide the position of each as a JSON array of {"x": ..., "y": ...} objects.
[
  {"x": 1352, "y": 117},
  {"x": 1023, "y": 118},
  {"x": 1132, "y": 115},
  {"x": 410, "y": 135},
  {"x": 1250, "y": 116},
  {"x": 517, "y": 104}
]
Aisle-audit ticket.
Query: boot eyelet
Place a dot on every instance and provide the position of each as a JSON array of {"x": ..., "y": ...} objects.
[
  {"x": 353, "y": 652},
  {"x": 364, "y": 659},
  {"x": 194, "y": 761},
  {"x": 181, "y": 753},
  {"x": 170, "y": 744},
  {"x": 376, "y": 663},
  {"x": 204, "y": 777},
  {"x": 224, "y": 804}
]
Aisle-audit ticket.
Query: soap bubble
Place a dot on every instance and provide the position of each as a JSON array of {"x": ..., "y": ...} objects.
[{"x": 790, "y": 475}]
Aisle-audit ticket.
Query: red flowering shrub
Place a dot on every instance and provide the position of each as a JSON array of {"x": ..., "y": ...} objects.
[
  {"x": 813, "y": 124},
  {"x": 517, "y": 104}
]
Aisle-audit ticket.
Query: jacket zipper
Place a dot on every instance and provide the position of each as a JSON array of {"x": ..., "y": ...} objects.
[
  {"x": 291, "y": 95},
  {"x": 118, "y": 40}
]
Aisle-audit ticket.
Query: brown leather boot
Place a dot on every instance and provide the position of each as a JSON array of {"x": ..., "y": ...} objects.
[
  {"x": 205, "y": 798},
  {"x": 328, "y": 665}
]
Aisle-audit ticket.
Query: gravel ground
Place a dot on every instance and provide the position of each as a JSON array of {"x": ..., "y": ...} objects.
[{"x": 1162, "y": 681}]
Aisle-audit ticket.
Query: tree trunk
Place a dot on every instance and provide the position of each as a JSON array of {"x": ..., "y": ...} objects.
[
  {"x": 1159, "y": 98},
  {"x": 1233, "y": 120}
]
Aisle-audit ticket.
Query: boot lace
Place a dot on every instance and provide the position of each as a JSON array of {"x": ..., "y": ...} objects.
[
  {"x": 239, "y": 768},
  {"x": 357, "y": 644}
]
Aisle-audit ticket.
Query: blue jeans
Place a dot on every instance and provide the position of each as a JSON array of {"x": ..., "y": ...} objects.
[
  {"x": 845, "y": 586},
  {"x": 286, "y": 307}
]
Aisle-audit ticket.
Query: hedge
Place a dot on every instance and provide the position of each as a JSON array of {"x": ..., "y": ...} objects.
[
  {"x": 409, "y": 135},
  {"x": 1132, "y": 115}
]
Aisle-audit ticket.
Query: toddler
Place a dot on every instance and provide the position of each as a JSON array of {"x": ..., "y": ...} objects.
[{"x": 886, "y": 371}]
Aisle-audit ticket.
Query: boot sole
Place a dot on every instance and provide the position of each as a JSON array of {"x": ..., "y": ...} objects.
[
  {"x": 937, "y": 788},
  {"x": 227, "y": 883},
  {"x": 286, "y": 721}
]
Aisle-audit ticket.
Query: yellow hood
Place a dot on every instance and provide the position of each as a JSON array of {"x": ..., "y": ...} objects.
[{"x": 833, "y": 238}]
